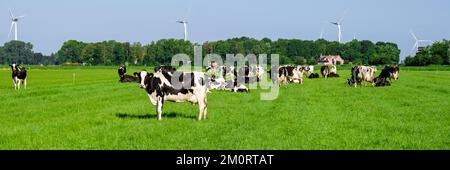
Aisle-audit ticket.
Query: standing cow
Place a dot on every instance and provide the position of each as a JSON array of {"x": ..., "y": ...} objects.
[
  {"x": 19, "y": 75},
  {"x": 189, "y": 87}
]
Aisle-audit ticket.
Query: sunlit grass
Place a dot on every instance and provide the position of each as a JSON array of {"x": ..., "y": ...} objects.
[{"x": 92, "y": 110}]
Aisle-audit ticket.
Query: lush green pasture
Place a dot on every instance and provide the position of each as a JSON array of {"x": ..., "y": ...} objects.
[{"x": 87, "y": 108}]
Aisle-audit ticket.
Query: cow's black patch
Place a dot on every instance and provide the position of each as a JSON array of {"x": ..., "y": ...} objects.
[{"x": 19, "y": 72}]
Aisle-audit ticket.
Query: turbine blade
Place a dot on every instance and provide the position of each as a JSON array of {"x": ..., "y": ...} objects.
[
  {"x": 10, "y": 30},
  {"x": 414, "y": 48},
  {"x": 343, "y": 15},
  {"x": 22, "y": 16},
  {"x": 414, "y": 35},
  {"x": 10, "y": 12},
  {"x": 188, "y": 12}
]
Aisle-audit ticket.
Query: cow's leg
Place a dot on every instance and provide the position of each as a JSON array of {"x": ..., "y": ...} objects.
[
  {"x": 159, "y": 106},
  {"x": 205, "y": 108},
  {"x": 14, "y": 84},
  {"x": 201, "y": 106},
  {"x": 25, "y": 83},
  {"x": 18, "y": 84}
]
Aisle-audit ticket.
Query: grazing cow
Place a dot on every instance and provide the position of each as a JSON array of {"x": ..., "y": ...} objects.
[
  {"x": 127, "y": 78},
  {"x": 19, "y": 74},
  {"x": 362, "y": 74},
  {"x": 190, "y": 88}
]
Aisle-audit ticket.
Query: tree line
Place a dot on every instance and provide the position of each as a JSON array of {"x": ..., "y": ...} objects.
[
  {"x": 291, "y": 51},
  {"x": 436, "y": 54},
  {"x": 22, "y": 53}
]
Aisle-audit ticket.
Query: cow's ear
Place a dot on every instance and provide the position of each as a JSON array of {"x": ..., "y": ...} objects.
[
  {"x": 136, "y": 74},
  {"x": 150, "y": 75}
]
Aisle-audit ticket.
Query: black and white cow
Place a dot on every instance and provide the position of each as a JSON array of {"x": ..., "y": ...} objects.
[
  {"x": 251, "y": 73},
  {"x": 189, "y": 87},
  {"x": 288, "y": 74},
  {"x": 384, "y": 78},
  {"x": 361, "y": 74},
  {"x": 19, "y": 75},
  {"x": 127, "y": 78},
  {"x": 390, "y": 72},
  {"x": 328, "y": 71}
]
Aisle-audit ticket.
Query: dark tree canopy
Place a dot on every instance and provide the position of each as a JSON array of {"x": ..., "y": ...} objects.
[
  {"x": 437, "y": 54},
  {"x": 291, "y": 51}
]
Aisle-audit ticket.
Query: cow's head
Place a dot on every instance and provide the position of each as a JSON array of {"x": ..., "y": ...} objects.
[
  {"x": 396, "y": 72},
  {"x": 14, "y": 67},
  {"x": 122, "y": 70},
  {"x": 143, "y": 77}
]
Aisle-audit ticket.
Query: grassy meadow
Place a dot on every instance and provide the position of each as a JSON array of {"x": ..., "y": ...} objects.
[{"x": 87, "y": 108}]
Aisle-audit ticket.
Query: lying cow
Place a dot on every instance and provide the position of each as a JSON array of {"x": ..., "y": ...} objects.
[
  {"x": 19, "y": 75},
  {"x": 390, "y": 72},
  {"x": 361, "y": 74},
  {"x": 127, "y": 78},
  {"x": 190, "y": 88},
  {"x": 384, "y": 78},
  {"x": 250, "y": 74},
  {"x": 328, "y": 71},
  {"x": 313, "y": 75},
  {"x": 222, "y": 84},
  {"x": 289, "y": 74}
]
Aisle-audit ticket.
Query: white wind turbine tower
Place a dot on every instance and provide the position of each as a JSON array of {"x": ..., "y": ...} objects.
[
  {"x": 14, "y": 21},
  {"x": 416, "y": 44},
  {"x": 184, "y": 22},
  {"x": 339, "y": 25}
]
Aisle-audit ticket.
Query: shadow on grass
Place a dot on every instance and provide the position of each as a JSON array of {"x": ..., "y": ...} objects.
[{"x": 153, "y": 116}]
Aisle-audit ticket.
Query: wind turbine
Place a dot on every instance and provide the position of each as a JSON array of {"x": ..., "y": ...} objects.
[
  {"x": 339, "y": 26},
  {"x": 184, "y": 22},
  {"x": 416, "y": 44},
  {"x": 14, "y": 21},
  {"x": 321, "y": 34}
]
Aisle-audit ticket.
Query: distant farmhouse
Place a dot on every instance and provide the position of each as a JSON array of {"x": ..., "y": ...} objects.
[{"x": 331, "y": 60}]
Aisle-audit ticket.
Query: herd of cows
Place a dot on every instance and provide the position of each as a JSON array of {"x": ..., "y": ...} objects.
[{"x": 194, "y": 86}]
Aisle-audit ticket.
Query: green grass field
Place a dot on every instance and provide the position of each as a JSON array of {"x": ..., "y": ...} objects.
[{"x": 97, "y": 112}]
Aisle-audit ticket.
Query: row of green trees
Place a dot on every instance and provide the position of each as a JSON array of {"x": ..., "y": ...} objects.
[
  {"x": 291, "y": 51},
  {"x": 22, "y": 53},
  {"x": 436, "y": 54},
  {"x": 294, "y": 51}
]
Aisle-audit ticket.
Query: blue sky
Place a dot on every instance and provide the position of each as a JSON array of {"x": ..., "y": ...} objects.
[{"x": 48, "y": 23}]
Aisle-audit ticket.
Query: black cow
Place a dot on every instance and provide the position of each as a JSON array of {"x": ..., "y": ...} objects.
[
  {"x": 390, "y": 72},
  {"x": 19, "y": 74},
  {"x": 127, "y": 78},
  {"x": 313, "y": 75}
]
